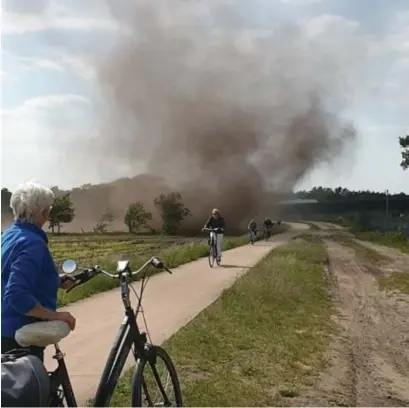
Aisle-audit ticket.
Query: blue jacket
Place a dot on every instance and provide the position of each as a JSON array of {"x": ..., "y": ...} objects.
[{"x": 28, "y": 275}]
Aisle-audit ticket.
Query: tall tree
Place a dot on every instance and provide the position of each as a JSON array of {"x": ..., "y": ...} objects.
[
  {"x": 62, "y": 212},
  {"x": 404, "y": 144},
  {"x": 172, "y": 211},
  {"x": 137, "y": 217}
]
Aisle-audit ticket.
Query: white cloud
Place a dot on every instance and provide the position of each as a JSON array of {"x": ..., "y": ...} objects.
[
  {"x": 38, "y": 108},
  {"x": 25, "y": 63},
  {"x": 53, "y": 59},
  {"x": 14, "y": 23},
  {"x": 41, "y": 133},
  {"x": 54, "y": 17},
  {"x": 81, "y": 65},
  {"x": 53, "y": 101},
  {"x": 326, "y": 24}
]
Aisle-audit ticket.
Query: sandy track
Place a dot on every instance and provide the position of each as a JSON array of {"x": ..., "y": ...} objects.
[
  {"x": 399, "y": 261},
  {"x": 170, "y": 302},
  {"x": 327, "y": 226},
  {"x": 369, "y": 360}
]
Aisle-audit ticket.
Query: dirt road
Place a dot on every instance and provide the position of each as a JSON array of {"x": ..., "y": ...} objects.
[
  {"x": 170, "y": 302},
  {"x": 327, "y": 226},
  {"x": 398, "y": 259},
  {"x": 369, "y": 359}
]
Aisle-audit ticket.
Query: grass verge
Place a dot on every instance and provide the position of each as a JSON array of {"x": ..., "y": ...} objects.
[
  {"x": 392, "y": 239},
  {"x": 261, "y": 341},
  {"x": 397, "y": 281},
  {"x": 363, "y": 252},
  {"x": 173, "y": 257},
  {"x": 313, "y": 226}
]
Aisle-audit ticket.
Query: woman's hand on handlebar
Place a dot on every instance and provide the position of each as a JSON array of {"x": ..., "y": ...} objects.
[
  {"x": 67, "y": 281},
  {"x": 81, "y": 278}
]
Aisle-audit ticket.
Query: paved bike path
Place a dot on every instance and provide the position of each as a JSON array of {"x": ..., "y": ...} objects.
[{"x": 170, "y": 302}]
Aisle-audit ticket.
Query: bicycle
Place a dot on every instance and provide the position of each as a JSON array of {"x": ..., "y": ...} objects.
[
  {"x": 267, "y": 233},
  {"x": 253, "y": 236},
  {"x": 129, "y": 335},
  {"x": 213, "y": 245}
]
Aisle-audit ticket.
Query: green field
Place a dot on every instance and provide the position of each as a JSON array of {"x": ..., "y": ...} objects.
[{"x": 105, "y": 249}]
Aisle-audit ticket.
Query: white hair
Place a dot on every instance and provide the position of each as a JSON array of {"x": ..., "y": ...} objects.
[{"x": 30, "y": 200}]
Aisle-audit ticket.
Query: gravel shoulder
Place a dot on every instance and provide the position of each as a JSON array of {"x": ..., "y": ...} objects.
[{"x": 369, "y": 357}]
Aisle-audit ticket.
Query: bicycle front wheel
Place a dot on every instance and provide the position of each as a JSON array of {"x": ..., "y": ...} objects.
[
  {"x": 211, "y": 256},
  {"x": 155, "y": 381}
]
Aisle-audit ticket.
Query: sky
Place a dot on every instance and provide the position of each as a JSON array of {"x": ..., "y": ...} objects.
[{"x": 50, "y": 50}]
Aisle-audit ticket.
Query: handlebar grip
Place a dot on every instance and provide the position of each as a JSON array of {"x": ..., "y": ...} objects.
[
  {"x": 157, "y": 263},
  {"x": 82, "y": 277}
]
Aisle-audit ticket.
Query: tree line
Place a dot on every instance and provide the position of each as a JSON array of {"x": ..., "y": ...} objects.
[
  {"x": 340, "y": 194},
  {"x": 170, "y": 207}
]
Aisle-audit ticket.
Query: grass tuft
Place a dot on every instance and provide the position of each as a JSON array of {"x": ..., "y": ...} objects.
[{"x": 397, "y": 281}]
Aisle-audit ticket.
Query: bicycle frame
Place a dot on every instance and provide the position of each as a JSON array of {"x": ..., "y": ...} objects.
[
  {"x": 213, "y": 242},
  {"x": 128, "y": 335}
]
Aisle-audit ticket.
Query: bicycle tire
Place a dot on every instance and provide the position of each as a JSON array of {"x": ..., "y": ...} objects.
[
  {"x": 138, "y": 380},
  {"x": 211, "y": 256},
  {"x": 105, "y": 387}
]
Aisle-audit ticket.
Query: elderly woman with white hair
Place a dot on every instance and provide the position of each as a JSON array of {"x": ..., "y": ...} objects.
[{"x": 29, "y": 276}]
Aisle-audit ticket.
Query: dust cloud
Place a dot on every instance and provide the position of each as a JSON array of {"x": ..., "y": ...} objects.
[{"x": 227, "y": 114}]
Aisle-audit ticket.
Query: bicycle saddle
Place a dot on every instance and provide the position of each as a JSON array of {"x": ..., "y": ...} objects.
[{"x": 42, "y": 334}]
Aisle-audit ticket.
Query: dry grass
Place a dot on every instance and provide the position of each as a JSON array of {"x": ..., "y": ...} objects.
[
  {"x": 262, "y": 340},
  {"x": 392, "y": 239},
  {"x": 364, "y": 253},
  {"x": 397, "y": 281}
]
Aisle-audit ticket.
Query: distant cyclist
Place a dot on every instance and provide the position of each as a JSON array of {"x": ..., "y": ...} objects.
[
  {"x": 267, "y": 225},
  {"x": 252, "y": 227},
  {"x": 216, "y": 225}
]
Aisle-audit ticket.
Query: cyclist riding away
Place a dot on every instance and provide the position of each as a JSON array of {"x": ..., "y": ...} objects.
[
  {"x": 216, "y": 225},
  {"x": 267, "y": 224},
  {"x": 252, "y": 227}
]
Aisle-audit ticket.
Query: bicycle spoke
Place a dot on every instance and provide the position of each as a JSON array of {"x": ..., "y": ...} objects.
[
  {"x": 158, "y": 381},
  {"x": 159, "y": 388},
  {"x": 147, "y": 398}
]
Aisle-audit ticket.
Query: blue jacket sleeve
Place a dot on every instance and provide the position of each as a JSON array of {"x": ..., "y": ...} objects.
[{"x": 24, "y": 273}]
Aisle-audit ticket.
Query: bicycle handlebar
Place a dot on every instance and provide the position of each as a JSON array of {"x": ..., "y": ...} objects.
[
  {"x": 90, "y": 273},
  {"x": 213, "y": 229}
]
